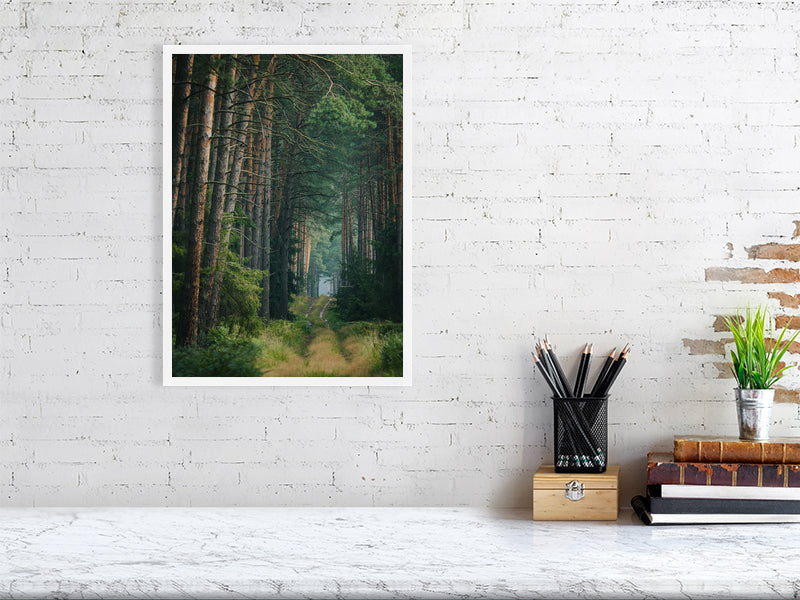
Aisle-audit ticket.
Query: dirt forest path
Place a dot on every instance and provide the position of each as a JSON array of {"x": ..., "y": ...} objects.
[
  {"x": 325, "y": 352},
  {"x": 322, "y": 313}
]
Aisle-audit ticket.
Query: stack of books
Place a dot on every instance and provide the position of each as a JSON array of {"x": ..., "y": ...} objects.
[{"x": 722, "y": 480}]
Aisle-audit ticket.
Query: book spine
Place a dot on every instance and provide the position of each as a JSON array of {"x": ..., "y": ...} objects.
[
  {"x": 730, "y": 474},
  {"x": 733, "y": 492},
  {"x": 718, "y": 451},
  {"x": 721, "y": 506}
]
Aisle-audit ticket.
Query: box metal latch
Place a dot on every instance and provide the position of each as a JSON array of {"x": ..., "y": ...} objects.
[{"x": 573, "y": 490}]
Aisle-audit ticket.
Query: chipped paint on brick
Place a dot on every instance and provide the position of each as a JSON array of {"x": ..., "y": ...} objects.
[
  {"x": 775, "y": 252},
  {"x": 784, "y": 395},
  {"x": 788, "y": 321},
  {"x": 705, "y": 346},
  {"x": 786, "y": 300},
  {"x": 752, "y": 275}
]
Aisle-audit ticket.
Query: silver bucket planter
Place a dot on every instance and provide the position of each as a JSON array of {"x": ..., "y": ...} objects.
[{"x": 754, "y": 408}]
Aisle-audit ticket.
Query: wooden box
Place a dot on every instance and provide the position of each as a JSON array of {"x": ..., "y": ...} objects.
[{"x": 575, "y": 496}]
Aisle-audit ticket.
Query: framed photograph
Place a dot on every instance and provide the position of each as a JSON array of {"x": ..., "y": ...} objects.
[{"x": 287, "y": 235}]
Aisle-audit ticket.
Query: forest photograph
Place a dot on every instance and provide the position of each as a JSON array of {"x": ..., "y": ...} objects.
[{"x": 284, "y": 221}]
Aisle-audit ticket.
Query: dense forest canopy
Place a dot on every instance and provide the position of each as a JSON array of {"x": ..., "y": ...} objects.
[{"x": 286, "y": 171}]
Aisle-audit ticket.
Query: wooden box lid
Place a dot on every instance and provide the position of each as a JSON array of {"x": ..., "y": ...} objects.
[{"x": 547, "y": 479}]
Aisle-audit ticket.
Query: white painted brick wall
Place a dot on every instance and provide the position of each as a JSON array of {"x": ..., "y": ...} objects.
[{"x": 577, "y": 167}]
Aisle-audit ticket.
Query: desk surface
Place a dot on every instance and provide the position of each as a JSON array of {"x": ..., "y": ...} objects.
[{"x": 383, "y": 553}]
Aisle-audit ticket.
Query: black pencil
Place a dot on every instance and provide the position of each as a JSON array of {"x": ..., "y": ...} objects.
[
  {"x": 583, "y": 370},
  {"x": 581, "y": 363},
  {"x": 547, "y": 360},
  {"x": 547, "y": 364},
  {"x": 540, "y": 355},
  {"x": 559, "y": 370},
  {"x": 602, "y": 375},
  {"x": 545, "y": 374},
  {"x": 614, "y": 373},
  {"x": 604, "y": 386}
]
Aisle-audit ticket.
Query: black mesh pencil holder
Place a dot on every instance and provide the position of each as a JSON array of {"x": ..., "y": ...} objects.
[{"x": 581, "y": 435}]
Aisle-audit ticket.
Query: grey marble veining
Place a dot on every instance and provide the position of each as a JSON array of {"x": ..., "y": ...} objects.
[{"x": 383, "y": 553}]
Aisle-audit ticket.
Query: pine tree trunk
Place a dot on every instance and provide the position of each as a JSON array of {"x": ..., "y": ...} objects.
[
  {"x": 182, "y": 87},
  {"x": 187, "y": 332},
  {"x": 232, "y": 195},
  {"x": 390, "y": 164},
  {"x": 214, "y": 229},
  {"x": 294, "y": 252},
  {"x": 215, "y": 140},
  {"x": 306, "y": 250},
  {"x": 265, "y": 225},
  {"x": 345, "y": 235},
  {"x": 283, "y": 218},
  {"x": 179, "y": 214},
  {"x": 258, "y": 208},
  {"x": 285, "y": 239},
  {"x": 361, "y": 238},
  {"x": 249, "y": 185},
  {"x": 249, "y": 202},
  {"x": 372, "y": 211}
]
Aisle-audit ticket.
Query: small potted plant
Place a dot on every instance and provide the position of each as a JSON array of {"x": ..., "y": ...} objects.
[{"x": 755, "y": 366}]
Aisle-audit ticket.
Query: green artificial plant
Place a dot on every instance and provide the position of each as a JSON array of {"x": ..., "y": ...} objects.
[{"x": 755, "y": 362}]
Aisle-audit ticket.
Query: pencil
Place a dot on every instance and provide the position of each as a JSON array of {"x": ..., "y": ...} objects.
[
  {"x": 604, "y": 387},
  {"x": 583, "y": 370},
  {"x": 559, "y": 370},
  {"x": 614, "y": 373},
  {"x": 547, "y": 360},
  {"x": 545, "y": 374},
  {"x": 601, "y": 376}
]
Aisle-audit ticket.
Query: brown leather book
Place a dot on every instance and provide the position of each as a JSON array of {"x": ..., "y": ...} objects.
[
  {"x": 695, "y": 448},
  {"x": 663, "y": 469}
]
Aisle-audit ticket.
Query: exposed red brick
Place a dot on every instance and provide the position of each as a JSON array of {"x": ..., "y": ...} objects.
[
  {"x": 705, "y": 346},
  {"x": 796, "y": 233},
  {"x": 783, "y": 395},
  {"x": 775, "y": 252},
  {"x": 786, "y": 300},
  {"x": 787, "y": 321},
  {"x": 794, "y": 347},
  {"x": 752, "y": 275},
  {"x": 719, "y": 322}
]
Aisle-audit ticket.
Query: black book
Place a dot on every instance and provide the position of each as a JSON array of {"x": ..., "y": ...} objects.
[
  {"x": 641, "y": 505},
  {"x": 706, "y": 506}
]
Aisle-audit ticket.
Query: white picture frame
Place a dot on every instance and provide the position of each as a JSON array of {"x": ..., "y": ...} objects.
[{"x": 169, "y": 378}]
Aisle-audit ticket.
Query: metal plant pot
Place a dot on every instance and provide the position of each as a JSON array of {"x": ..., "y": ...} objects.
[{"x": 754, "y": 408}]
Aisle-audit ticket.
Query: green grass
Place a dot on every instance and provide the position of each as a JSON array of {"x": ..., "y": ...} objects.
[
  {"x": 381, "y": 342},
  {"x": 284, "y": 338}
]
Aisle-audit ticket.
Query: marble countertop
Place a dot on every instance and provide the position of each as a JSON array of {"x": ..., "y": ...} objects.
[{"x": 383, "y": 553}]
